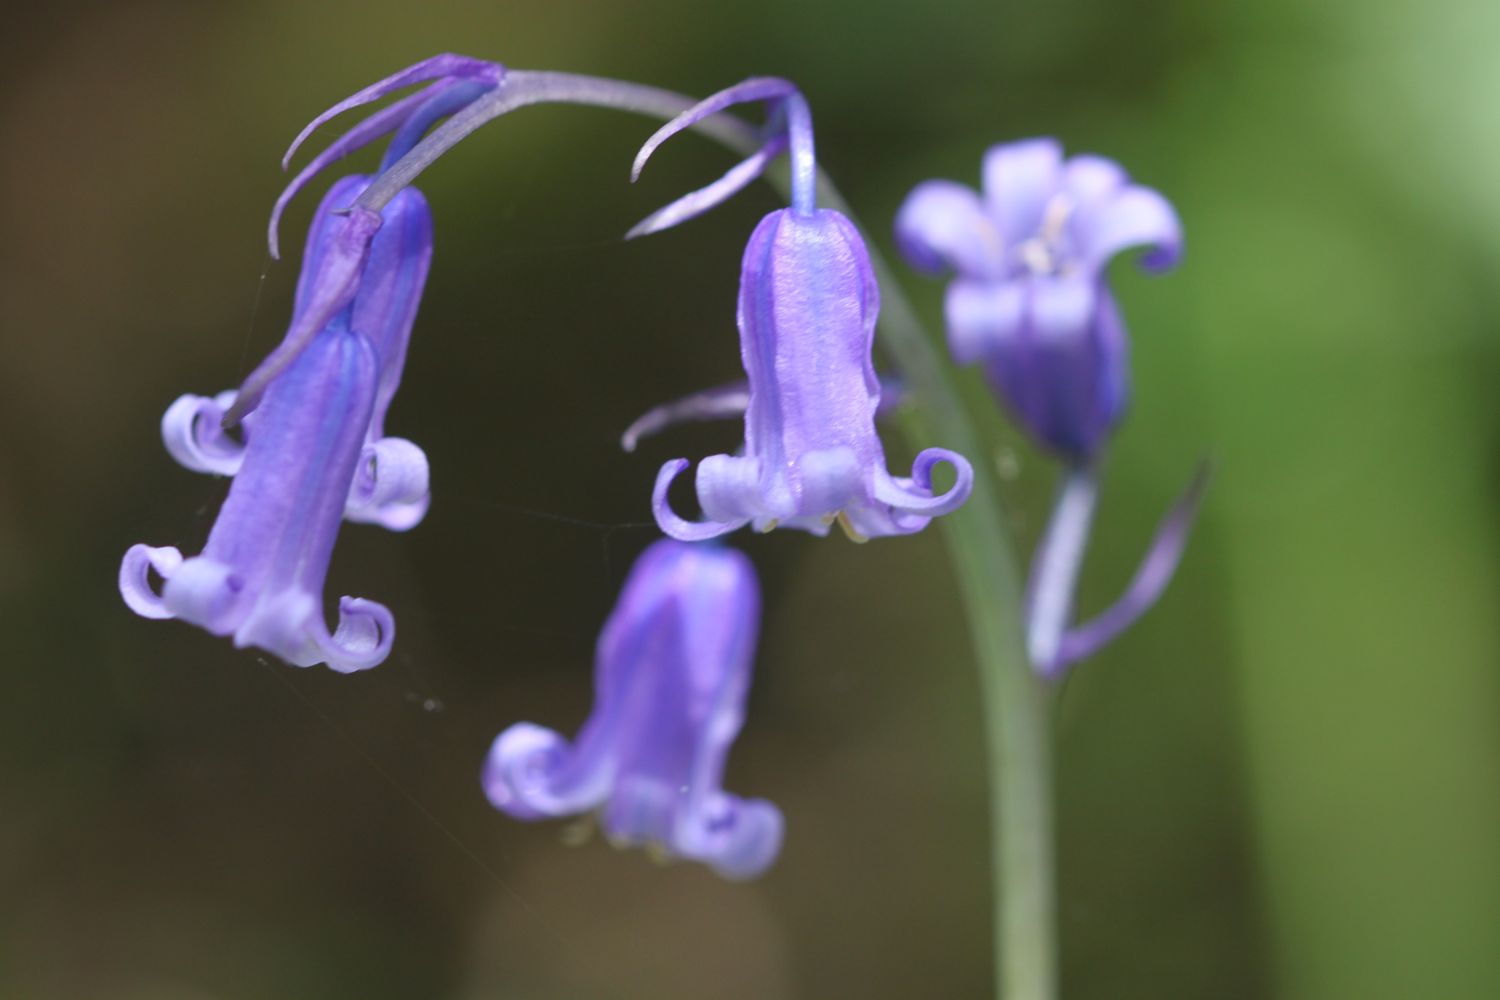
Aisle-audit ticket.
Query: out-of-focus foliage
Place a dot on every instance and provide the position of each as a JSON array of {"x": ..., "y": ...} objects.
[{"x": 1285, "y": 782}]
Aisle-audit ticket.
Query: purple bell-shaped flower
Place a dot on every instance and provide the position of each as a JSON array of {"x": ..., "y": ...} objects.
[{"x": 671, "y": 675}]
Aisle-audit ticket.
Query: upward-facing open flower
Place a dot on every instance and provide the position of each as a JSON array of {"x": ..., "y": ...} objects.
[
  {"x": 807, "y": 308},
  {"x": 670, "y": 677},
  {"x": 1030, "y": 301}
]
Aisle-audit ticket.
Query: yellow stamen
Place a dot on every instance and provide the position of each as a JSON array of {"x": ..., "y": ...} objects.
[{"x": 854, "y": 536}]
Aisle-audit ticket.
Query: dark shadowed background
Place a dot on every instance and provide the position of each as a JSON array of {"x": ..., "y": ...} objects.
[{"x": 1285, "y": 782}]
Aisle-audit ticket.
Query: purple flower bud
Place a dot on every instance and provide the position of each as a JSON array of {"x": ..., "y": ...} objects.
[
  {"x": 671, "y": 674},
  {"x": 807, "y": 308},
  {"x": 1030, "y": 301},
  {"x": 314, "y": 451}
]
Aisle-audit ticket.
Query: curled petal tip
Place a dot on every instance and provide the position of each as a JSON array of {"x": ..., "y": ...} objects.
[
  {"x": 750, "y": 844},
  {"x": 363, "y": 639},
  {"x": 140, "y": 562},
  {"x": 517, "y": 772},
  {"x": 678, "y": 527},
  {"x": 192, "y": 431},
  {"x": 919, "y": 499},
  {"x": 391, "y": 485}
]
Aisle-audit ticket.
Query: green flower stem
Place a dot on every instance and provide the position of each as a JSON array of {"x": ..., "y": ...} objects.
[{"x": 1016, "y": 704}]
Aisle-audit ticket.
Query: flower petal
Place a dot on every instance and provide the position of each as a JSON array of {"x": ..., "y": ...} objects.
[
  {"x": 290, "y": 624},
  {"x": 207, "y": 593},
  {"x": 135, "y": 580},
  {"x": 1136, "y": 216},
  {"x": 918, "y": 498},
  {"x": 1049, "y": 374},
  {"x": 944, "y": 225},
  {"x": 1090, "y": 179},
  {"x": 738, "y": 838},
  {"x": 520, "y": 772},
  {"x": 390, "y": 485},
  {"x": 984, "y": 318},
  {"x": 828, "y": 480},
  {"x": 1020, "y": 178},
  {"x": 671, "y": 524},
  {"x": 363, "y": 639},
  {"x": 193, "y": 433}
]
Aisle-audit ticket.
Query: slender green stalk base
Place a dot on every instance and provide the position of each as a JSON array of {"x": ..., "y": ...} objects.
[{"x": 1016, "y": 704}]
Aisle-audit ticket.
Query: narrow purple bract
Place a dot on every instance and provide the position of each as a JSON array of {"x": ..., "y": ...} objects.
[
  {"x": 1030, "y": 301},
  {"x": 671, "y": 674}
]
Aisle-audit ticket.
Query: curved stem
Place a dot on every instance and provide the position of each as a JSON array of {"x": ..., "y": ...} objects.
[{"x": 1016, "y": 703}]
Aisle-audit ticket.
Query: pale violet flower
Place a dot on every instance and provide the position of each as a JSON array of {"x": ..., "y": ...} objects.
[
  {"x": 671, "y": 675},
  {"x": 1029, "y": 300}
]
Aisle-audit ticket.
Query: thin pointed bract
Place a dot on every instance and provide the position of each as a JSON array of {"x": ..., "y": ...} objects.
[
  {"x": 725, "y": 401},
  {"x": 459, "y": 80},
  {"x": 791, "y": 124},
  {"x": 446, "y": 65},
  {"x": 1146, "y": 587},
  {"x": 671, "y": 675}
]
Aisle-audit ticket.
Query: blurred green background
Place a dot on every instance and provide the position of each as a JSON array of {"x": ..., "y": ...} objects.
[{"x": 1284, "y": 783}]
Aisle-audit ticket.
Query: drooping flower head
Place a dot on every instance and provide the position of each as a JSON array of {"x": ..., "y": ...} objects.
[
  {"x": 671, "y": 675},
  {"x": 807, "y": 308},
  {"x": 391, "y": 482},
  {"x": 313, "y": 448},
  {"x": 1030, "y": 301}
]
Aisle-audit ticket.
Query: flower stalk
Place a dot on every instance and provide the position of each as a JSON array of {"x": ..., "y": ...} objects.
[{"x": 1015, "y": 702}]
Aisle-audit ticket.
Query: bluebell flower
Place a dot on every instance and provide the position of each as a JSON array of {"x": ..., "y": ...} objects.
[
  {"x": 390, "y": 487},
  {"x": 807, "y": 308},
  {"x": 1030, "y": 301},
  {"x": 313, "y": 449},
  {"x": 671, "y": 675},
  {"x": 260, "y": 577}
]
